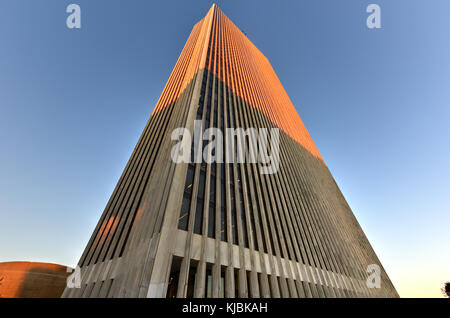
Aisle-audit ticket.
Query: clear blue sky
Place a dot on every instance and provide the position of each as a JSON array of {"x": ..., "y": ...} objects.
[{"x": 376, "y": 102}]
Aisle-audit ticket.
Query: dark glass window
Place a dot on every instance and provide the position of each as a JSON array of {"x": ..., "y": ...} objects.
[
  {"x": 212, "y": 200},
  {"x": 184, "y": 212},
  {"x": 223, "y": 218},
  {"x": 199, "y": 208}
]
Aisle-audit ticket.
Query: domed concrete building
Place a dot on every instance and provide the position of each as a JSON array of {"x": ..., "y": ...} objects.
[{"x": 32, "y": 280}]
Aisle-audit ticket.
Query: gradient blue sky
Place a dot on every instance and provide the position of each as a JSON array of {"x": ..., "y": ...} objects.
[{"x": 376, "y": 102}]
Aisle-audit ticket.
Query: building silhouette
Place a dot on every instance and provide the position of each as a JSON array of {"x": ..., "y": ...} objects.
[{"x": 197, "y": 229}]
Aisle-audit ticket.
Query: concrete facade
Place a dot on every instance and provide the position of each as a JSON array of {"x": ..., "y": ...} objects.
[{"x": 225, "y": 229}]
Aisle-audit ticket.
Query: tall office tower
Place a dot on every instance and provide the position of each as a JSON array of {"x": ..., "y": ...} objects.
[{"x": 203, "y": 228}]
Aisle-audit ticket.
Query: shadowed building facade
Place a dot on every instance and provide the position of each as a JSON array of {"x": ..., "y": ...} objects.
[{"x": 226, "y": 229}]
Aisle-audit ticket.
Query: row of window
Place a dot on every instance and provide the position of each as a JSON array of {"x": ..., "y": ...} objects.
[{"x": 211, "y": 95}]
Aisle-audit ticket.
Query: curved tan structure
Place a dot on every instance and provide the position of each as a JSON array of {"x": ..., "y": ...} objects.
[{"x": 32, "y": 280}]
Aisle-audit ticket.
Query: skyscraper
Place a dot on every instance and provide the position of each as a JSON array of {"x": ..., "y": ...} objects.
[{"x": 194, "y": 228}]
